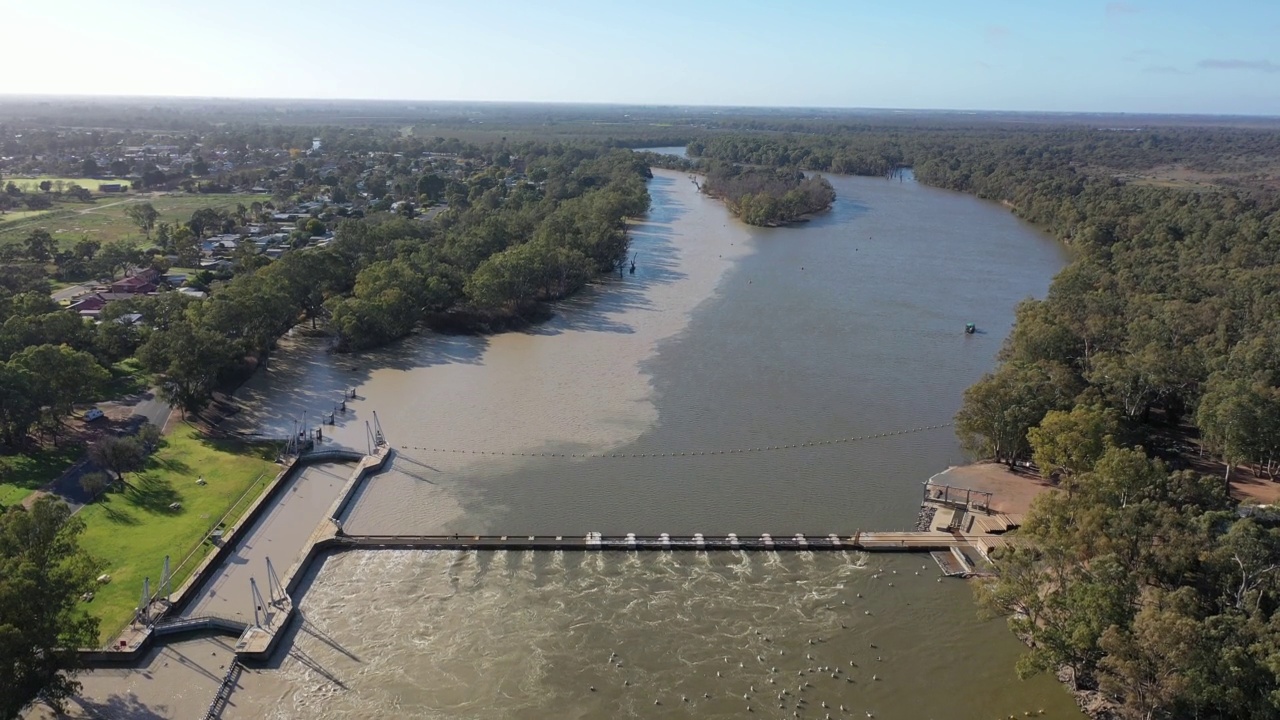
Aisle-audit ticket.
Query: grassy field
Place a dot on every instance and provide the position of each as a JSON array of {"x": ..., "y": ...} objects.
[
  {"x": 20, "y": 215},
  {"x": 32, "y": 184},
  {"x": 21, "y": 475},
  {"x": 106, "y": 222},
  {"x": 132, "y": 531}
]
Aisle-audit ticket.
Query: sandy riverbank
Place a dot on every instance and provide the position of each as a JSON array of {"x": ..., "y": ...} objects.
[
  {"x": 572, "y": 384},
  {"x": 1013, "y": 489}
]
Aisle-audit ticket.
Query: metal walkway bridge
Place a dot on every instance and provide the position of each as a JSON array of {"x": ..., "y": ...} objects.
[
  {"x": 204, "y": 623},
  {"x": 865, "y": 541}
]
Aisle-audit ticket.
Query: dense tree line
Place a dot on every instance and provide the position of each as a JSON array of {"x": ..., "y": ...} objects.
[
  {"x": 767, "y": 196},
  {"x": 875, "y": 149},
  {"x": 1144, "y": 584},
  {"x": 490, "y": 258},
  {"x": 1139, "y": 581},
  {"x": 43, "y": 573}
]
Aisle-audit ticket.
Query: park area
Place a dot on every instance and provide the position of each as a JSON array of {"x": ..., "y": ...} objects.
[
  {"x": 165, "y": 510},
  {"x": 106, "y": 221},
  {"x": 21, "y": 475}
]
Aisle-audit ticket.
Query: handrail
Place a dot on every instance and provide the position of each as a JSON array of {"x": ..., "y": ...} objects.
[{"x": 224, "y": 691}]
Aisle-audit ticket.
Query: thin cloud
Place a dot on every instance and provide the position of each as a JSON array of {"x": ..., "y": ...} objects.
[
  {"x": 1137, "y": 55},
  {"x": 1265, "y": 66},
  {"x": 1117, "y": 9},
  {"x": 997, "y": 34},
  {"x": 1164, "y": 70}
]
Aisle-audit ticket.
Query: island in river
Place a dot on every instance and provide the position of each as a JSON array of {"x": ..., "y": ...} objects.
[{"x": 768, "y": 197}]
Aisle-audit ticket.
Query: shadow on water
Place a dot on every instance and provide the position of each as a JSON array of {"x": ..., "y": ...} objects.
[
  {"x": 124, "y": 707},
  {"x": 311, "y": 382},
  {"x": 287, "y": 647},
  {"x": 308, "y": 383},
  {"x": 656, "y": 259}
]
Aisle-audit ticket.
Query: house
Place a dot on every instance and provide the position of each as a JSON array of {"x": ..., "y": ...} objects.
[
  {"x": 91, "y": 305},
  {"x": 148, "y": 274},
  {"x": 216, "y": 265},
  {"x": 112, "y": 187},
  {"x": 132, "y": 285},
  {"x": 192, "y": 292}
]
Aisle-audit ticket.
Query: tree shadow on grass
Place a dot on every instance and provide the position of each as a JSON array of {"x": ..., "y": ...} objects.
[
  {"x": 173, "y": 465},
  {"x": 114, "y": 515},
  {"x": 153, "y": 494},
  {"x": 265, "y": 450}
]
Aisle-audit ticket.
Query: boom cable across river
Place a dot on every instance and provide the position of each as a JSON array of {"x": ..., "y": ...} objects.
[{"x": 686, "y": 453}]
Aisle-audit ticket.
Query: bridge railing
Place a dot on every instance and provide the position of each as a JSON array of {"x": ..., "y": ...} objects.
[{"x": 171, "y": 626}]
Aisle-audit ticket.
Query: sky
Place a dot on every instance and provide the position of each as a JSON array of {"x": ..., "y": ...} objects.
[{"x": 1166, "y": 56}]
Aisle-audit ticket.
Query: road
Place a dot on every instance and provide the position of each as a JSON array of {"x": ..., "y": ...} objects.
[
  {"x": 71, "y": 293},
  {"x": 44, "y": 219},
  {"x": 148, "y": 409}
]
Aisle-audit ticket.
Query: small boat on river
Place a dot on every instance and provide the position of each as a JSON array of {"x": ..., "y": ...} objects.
[{"x": 970, "y": 328}]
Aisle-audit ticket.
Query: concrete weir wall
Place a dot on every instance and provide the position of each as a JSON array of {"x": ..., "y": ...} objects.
[
  {"x": 258, "y": 643},
  {"x": 139, "y": 641}
]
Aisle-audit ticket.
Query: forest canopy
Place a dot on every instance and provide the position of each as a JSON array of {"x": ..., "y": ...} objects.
[
  {"x": 1140, "y": 580},
  {"x": 768, "y": 196}
]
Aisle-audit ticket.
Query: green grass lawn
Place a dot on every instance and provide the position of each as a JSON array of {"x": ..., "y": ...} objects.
[
  {"x": 17, "y": 215},
  {"x": 32, "y": 184},
  {"x": 132, "y": 531},
  {"x": 21, "y": 475},
  {"x": 106, "y": 222}
]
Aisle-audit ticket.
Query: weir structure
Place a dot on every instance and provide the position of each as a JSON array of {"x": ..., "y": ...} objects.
[{"x": 944, "y": 533}]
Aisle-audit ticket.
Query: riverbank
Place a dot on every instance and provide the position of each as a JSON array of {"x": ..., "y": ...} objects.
[
  {"x": 577, "y": 381},
  {"x": 1014, "y": 488},
  {"x": 722, "y": 339}
]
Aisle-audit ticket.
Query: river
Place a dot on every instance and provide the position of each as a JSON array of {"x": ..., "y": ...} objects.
[{"x": 725, "y": 337}]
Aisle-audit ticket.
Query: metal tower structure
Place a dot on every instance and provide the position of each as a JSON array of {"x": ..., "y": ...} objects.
[
  {"x": 260, "y": 611},
  {"x": 143, "y": 613},
  {"x": 275, "y": 587},
  {"x": 378, "y": 438},
  {"x": 166, "y": 581}
]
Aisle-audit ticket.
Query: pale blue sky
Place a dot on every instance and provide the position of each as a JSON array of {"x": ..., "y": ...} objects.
[{"x": 1062, "y": 55}]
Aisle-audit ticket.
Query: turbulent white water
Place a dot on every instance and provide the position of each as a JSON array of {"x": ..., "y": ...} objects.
[{"x": 522, "y": 635}]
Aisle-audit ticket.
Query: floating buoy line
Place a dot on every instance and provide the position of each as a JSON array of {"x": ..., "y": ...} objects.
[{"x": 686, "y": 453}]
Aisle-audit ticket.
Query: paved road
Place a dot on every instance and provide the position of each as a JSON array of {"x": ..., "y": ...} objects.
[
  {"x": 71, "y": 292},
  {"x": 149, "y": 409}
]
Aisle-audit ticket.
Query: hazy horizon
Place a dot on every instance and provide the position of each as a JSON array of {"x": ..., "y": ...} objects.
[
  {"x": 621, "y": 105},
  {"x": 1176, "y": 57}
]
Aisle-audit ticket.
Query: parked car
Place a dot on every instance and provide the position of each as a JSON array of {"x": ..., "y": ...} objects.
[{"x": 93, "y": 414}]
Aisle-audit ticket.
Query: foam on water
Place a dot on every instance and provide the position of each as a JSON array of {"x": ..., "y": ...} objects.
[{"x": 518, "y": 635}]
